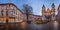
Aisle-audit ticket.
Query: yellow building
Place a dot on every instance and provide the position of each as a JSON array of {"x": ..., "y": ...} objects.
[{"x": 10, "y": 13}]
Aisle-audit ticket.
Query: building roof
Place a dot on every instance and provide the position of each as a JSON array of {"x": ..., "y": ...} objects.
[{"x": 11, "y": 4}]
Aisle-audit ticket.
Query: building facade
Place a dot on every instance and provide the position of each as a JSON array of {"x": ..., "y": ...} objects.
[
  {"x": 58, "y": 15},
  {"x": 10, "y": 13},
  {"x": 48, "y": 14},
  {"x": 32, "y": 17}
]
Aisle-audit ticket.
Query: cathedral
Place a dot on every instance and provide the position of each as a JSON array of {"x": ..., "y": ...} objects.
[{"x": 48, "y": 14}]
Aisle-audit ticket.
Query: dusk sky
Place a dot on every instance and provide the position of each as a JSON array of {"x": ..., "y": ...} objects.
[{"x": 35, "y": 4}]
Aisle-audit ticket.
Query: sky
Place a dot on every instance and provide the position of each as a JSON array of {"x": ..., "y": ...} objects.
[{"x": 35, "y": 4}]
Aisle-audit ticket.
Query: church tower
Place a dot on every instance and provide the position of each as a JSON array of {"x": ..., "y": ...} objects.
[
  {"x": 43, "y": 9},
  {"x": 53, "y": 11},
  {"x": 43, "y": 12}
]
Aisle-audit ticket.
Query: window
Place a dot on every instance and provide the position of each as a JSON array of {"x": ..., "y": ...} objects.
[
  {"x": 13, "y": 8},
  {"x": 12, "y": 13},
  {"x": 7, "y": 8},
  {"x": 2, "y": 8},
  {"x": 2, "y": 12},
  {"x": 6, "y": 13}
]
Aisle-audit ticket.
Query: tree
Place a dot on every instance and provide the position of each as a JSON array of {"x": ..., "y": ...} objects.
[{"x": 27, "y": 10}]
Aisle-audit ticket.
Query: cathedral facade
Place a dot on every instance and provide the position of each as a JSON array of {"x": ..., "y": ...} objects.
[{"x": 48, "y": 14}]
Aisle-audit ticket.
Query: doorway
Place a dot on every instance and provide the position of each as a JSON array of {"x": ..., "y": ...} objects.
[{"x": 6, "y": 20}]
